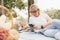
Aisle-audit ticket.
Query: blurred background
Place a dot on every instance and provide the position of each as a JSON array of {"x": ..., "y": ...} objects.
[
  {"x": 20, "y": 8},
  {"x": 51, "y": 7}
]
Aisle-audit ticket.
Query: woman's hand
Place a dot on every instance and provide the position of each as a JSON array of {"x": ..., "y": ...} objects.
[
  {"x": 45, "y": 25},
  {"x": 37, "y": 27}
]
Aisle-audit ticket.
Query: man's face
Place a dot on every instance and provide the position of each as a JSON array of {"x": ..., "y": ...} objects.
[{"x": 35, "y": 13}]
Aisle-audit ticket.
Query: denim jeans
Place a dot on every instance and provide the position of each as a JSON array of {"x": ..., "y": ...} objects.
[{"x": 53, "y": 30}]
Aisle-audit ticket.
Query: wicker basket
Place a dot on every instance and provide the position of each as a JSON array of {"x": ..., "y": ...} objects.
[
  {"x": 13, "y": 32},
  {"x": 10, "y": 15}
]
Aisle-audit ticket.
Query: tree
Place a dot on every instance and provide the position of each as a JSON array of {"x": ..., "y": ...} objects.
[
  {"x": 53, "y": 13},
  {"x": 20, "y": 4},
  {"x": 2, "y": 3},
  {"x": 29, "y": 3},
  {"x": 8, "y": 3}
]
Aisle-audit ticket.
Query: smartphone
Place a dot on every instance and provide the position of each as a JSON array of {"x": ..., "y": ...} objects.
[{"x": 31, "y": 25}]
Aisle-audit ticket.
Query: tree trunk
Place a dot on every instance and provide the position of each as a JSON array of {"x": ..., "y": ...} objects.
[
  {"x": 2, "y": 3},
  {"x": 29, "y": 3}
]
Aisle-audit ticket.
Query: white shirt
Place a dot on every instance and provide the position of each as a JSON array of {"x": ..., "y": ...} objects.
[{"x": 40, "y": 20}]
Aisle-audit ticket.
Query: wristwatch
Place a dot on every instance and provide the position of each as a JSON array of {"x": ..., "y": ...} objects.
[{"x": 42, "y": 27}]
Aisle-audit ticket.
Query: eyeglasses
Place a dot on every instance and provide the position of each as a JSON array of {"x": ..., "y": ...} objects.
[{"x": 33, "y": 11}]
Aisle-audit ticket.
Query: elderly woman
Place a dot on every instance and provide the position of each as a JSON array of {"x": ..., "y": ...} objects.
[
  {"x": 43, "y": 21},
  {"x": 39, "y": 19}
]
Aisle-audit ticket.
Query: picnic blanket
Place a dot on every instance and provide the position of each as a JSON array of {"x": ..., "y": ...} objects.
[{"x": 33, "y": 36}]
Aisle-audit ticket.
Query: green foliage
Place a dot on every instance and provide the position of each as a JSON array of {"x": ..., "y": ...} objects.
[
  {"x": 20, "y": 4},
  {"x": 8, "y": 3},
  {"x": 53, "y": 13},
  {"x": 14, "y": 13},
  {"x": 11, "y": 3}
]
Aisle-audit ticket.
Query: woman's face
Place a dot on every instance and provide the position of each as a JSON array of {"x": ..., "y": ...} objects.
[{"x": 35, "y": 13}]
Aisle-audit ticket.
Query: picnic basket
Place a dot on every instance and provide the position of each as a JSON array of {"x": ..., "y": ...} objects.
[{"x": 13, "y": 34}]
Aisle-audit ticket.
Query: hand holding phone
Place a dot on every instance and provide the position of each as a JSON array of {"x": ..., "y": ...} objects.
[{"x": 31, "y": 25}]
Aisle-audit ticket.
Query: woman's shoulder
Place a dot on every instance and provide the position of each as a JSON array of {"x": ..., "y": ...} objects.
[
  {"x": 31, "y": 17},
  {"x": 44, "y": 14}
]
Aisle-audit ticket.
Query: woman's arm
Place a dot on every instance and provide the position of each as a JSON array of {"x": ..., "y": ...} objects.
[{"x": 49, "y": 21}]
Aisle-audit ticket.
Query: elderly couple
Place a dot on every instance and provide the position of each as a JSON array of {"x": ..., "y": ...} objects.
[{"x": 38, "y": 20}]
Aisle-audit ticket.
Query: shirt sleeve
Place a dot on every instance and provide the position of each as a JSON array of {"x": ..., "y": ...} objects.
[{"x": 47, "y": 16}]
